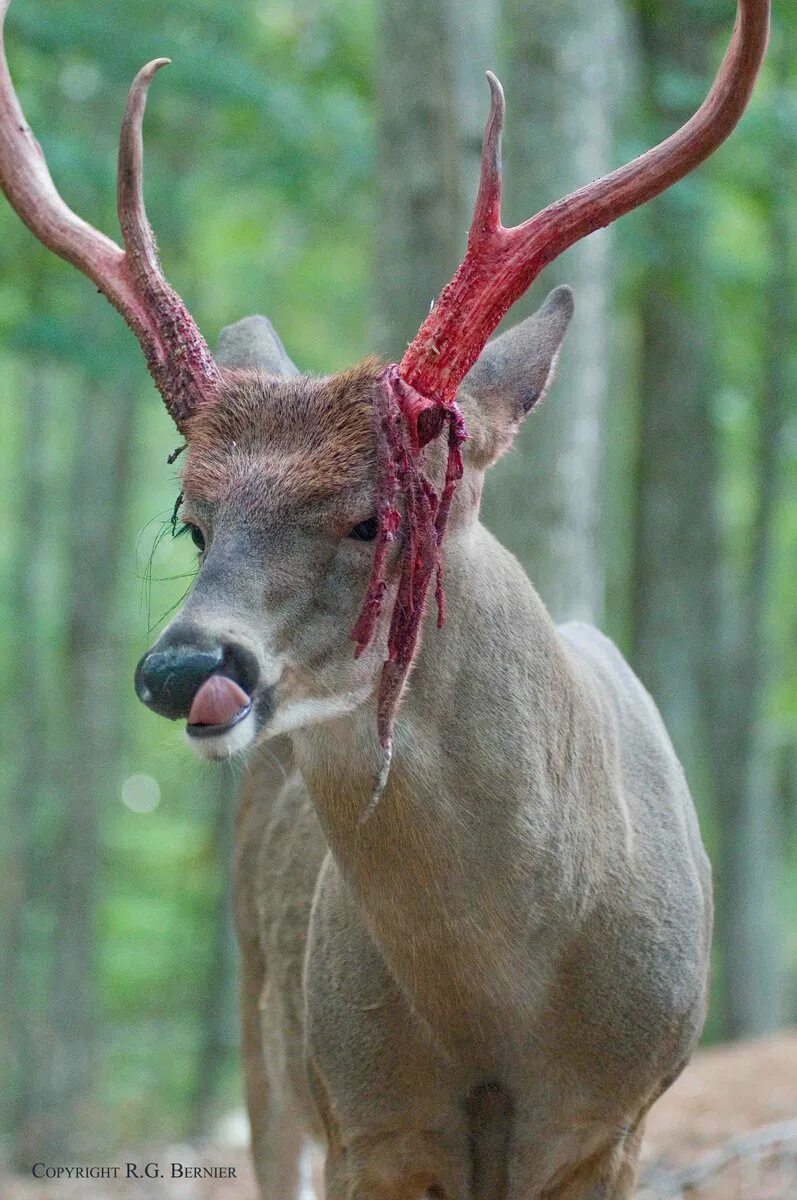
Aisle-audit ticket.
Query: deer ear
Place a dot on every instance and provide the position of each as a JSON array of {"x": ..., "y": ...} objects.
[
  {"x": 512, "y": 376},
  {"x": 253, "y": 342}
]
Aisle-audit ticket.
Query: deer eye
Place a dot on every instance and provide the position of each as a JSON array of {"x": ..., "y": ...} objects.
[
  {"x": 366, "y": 531},
  {"x": 196, "y": 535}
]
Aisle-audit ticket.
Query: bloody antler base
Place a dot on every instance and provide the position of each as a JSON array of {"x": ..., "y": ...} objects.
[{"x": 405, "y": 422}]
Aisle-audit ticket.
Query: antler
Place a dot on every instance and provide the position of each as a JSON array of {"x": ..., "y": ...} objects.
[
  {"x": 500, "y": 264},
  {"x": 176, "y": 353}
]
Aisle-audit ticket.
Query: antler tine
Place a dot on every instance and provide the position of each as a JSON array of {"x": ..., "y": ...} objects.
[
  {"x": 487, "y": 212},
  {"x": 136, "y": 229},
  {"x": 177, "y": 356},
  {"x": 500, "y": 264},
  {"x": 180, "y": 362}
]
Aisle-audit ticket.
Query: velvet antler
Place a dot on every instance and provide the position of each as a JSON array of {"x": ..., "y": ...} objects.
[
  {"x": 176, "y": 353},
  {"x": 417, "y": 399}
]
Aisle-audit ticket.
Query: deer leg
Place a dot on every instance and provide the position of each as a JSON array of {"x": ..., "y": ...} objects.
[
  {"x": 277, "y": 1137},
  {"x": 391, "y": 1164},
  {"x": 609, "y": 1175},
  {"x": 420, "y": 1175}
]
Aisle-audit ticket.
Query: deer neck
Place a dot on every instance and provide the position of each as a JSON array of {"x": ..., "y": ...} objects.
[{"x": 476, "y": 846}]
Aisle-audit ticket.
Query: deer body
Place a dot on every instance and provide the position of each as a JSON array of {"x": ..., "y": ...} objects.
[
  {"x": 526, "y": 918},
  {"x": 482, "y": 988}
]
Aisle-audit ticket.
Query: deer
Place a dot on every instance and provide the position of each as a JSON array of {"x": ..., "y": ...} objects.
[{"x": 473, "y": 906}]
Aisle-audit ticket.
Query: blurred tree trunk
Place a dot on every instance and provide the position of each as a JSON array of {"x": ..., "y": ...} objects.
[
  {"x": 744, "y": 766},
  {"x": 432, "y": 102},
  {"x": 419, "y": 207},
  {"x": 543, "y": 500},
  {"x": 99, "y": 493},
  {"x": 25, "y": 1039},
  {"x": 473, "y": 36},
  {"x": 218, "y": 1007}
]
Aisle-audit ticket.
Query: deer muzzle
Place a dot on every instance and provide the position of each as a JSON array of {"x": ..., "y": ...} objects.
[{"x": 209, "y": 685}]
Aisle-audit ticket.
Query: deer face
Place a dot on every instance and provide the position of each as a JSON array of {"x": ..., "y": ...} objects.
[{"x": 279, "y": 496}]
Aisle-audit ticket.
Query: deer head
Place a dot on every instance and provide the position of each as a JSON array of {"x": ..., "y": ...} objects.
[{"x": 320, "y": 504}]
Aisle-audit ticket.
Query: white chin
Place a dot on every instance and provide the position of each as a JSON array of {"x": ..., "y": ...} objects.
[
  {"x": 298, "y": 714},
  {"x": 224, "y": 745}
]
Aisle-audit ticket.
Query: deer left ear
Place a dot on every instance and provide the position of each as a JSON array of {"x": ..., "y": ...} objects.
[
  {"x": 512, "y": 376},
  {"x": 253, "y": 342}
]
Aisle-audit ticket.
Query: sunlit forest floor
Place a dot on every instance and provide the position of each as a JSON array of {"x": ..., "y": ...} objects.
[{"x": 727, "y": 1130}]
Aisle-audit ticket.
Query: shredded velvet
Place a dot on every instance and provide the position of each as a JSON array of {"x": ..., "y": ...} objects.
[{"x": 405, "y": 423}]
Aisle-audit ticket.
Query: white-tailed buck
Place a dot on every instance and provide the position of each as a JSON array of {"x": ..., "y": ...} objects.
[{"x": 473, "y": 904}]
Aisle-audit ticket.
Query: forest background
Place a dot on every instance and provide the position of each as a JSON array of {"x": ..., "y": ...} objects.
[{"x": 317, "y": 162}]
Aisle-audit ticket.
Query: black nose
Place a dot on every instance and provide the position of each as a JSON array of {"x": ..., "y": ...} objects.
[{"x": 170, "y": 675}]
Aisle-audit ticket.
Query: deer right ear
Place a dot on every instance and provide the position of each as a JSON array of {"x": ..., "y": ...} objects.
[
  {"x": 253, "y": 343},
  {"x": 512, "y": 376}
]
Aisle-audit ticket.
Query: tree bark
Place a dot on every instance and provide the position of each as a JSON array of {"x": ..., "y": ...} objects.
[
  {"x": 98, "y": 505},
  {"x": 543, "y": 499},
  {"x": 26, "y": 1039},
  {"x": 473, "y": 35},
  {"x": 677, "y": 537},
  {"x": 744, "y": 764},
  {"x": 418, "y": 170}
]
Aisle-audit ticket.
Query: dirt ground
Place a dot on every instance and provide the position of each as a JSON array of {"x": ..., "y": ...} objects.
[
  {"x": 727, "y": 1130},
  {"x": 732, "y": 1118}
]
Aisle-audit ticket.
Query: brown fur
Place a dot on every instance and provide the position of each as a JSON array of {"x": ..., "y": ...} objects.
[{"x": 315, "y": 434}]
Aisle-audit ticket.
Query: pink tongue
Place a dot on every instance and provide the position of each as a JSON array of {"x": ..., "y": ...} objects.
[{"x": 217, "y": 702}]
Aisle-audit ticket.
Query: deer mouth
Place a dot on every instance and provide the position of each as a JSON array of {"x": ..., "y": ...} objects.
[{"x": 219, "y": 705}]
